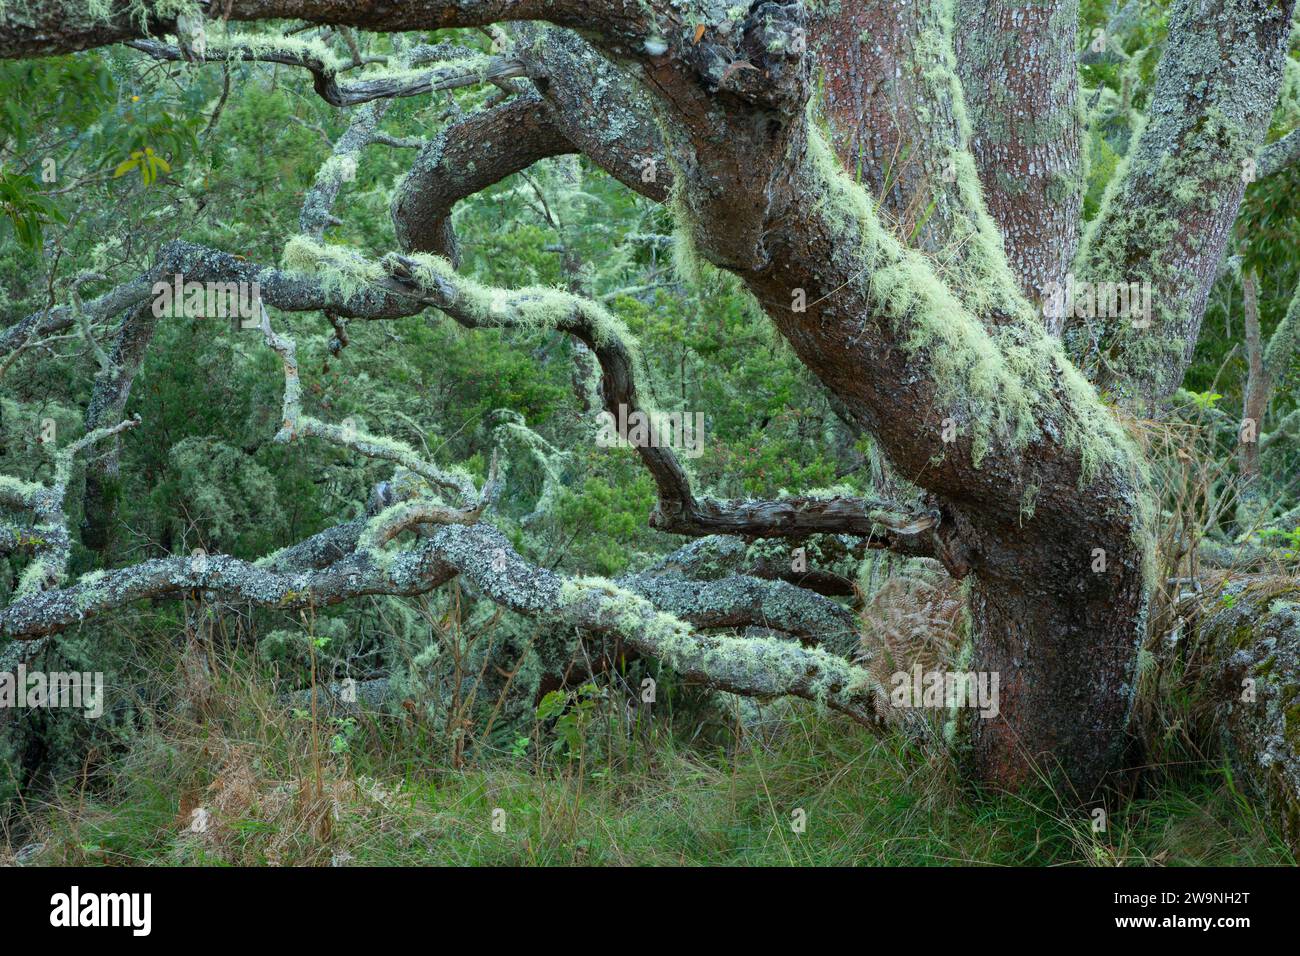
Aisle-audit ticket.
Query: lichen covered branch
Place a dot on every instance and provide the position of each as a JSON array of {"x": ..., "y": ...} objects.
[
  {"x": 325, "y": 69},
  {"x": 295, "y": 424},
  {"x": 49, "y": 535},
  {"x": 762, "y": 667}
]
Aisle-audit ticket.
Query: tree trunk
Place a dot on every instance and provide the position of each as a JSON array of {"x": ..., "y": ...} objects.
[
  {"x": 1044, "y": 512},
  {"x": 1244, "y": 657}
]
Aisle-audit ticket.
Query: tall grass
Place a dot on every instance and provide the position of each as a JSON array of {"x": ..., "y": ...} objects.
[{"x": 243, "y": 779}]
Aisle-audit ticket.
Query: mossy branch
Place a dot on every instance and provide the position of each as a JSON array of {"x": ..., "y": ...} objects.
[
  {"x": 295, "y": 424},
  {"x": 761, "y": 667},
  {"x": 49, "y": 536},
  {"x": 324, "y": 66},
  {"x": 431, "y": 280}
]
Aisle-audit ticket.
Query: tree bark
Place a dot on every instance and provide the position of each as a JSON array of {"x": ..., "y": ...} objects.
[
  {"x": 1026, "y": 503},
  {"x": 1017, "y": 62},
  {"x": 1244, "y": 657},
  {"x": 1167, "y": 214}
]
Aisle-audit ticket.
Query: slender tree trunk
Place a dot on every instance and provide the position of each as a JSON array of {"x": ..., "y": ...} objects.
[{"x": 108, "y": 406}]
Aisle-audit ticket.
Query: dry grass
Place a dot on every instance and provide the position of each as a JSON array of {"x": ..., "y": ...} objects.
[{"x": 913, "y": 618}]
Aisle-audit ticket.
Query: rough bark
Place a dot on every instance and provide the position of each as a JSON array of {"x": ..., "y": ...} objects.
[
  {"x": 482, "y": 149},
  {"x": 1245, "y": 657},
  {"x": 42, "y": 27},
  {"x": 899, "y": 122},
  {"x": 1017, "y": 63},
  {"x": 756, "y": 667},
  {"x": 969, "y": 396},
  {"x": 1063, "y": 637},
  {"x": 1168, "y": 212}
]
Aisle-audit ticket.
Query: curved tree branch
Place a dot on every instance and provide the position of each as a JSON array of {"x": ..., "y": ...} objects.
[
  {"x": 45, "y": 27},
  {"x": 470, "y": 155},
  {"x": 1279, "y": 155},
  {"x": 412, "y": 82}
]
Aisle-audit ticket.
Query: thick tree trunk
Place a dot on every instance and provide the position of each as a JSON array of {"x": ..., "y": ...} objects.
[
  {"x": 1049, "y": 524},
  {"x": 1056, "y": 606},
  {"x": 1018, "y": 66},
  {"x": 1064, "y": 644}
]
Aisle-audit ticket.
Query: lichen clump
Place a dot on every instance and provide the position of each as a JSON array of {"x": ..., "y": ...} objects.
[
  {"x": 340, "y": 270},
  {"x": 762, "y": 666},
  {"x": 1008, "y": 382},
  {"x": 534, "y": 308}
]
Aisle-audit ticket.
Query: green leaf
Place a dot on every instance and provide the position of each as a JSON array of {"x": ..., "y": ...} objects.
[{"x": 126, "y": 165}]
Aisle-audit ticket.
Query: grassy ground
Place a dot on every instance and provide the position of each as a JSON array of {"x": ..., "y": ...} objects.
[{"x": 264, "y": 785}]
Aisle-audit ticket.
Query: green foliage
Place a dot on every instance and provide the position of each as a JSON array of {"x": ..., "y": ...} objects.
[
  {"x": 27, "y": 210},
  {"x": 149, "y": 163},
  {"x": 866, "y": 802},
  {"x": 220, "y": 493},
  {"x": 570, "y": 714},
  {"x": 1289, "y": 540}
]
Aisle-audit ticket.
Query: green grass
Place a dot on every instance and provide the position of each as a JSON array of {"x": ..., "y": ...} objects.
[{"x": 276, "y": 793}]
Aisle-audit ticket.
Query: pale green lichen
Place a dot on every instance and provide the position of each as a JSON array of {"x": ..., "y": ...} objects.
[
  {"x": 340, "y": 269},
  {"x": 477, "y": 67},
  {"x": 761, "y": 666},
  {"x": 980, "y": 273},
  {"x": 1011, "y": 384},
  {"x": 1284, "y": 343},
  {"x": 1138, "y": 237},
  {"x": 35, "y": 576},
  {"x": 1164, "y": 219},
  {"x": 346, "y": 272},
  {"x": 16, "y": 491},
  {"x": 89, "y": 589},
  {"x": 512, "y": 429},
  {"x": 377, "y": 527},
  {"x": 141, "y": 12},
  {"x": 689, "y": 266},
  {"x": 258, "y": 45},
  {"x": 530, "y": 308},
  {"x": 1008, "y": 379},
  {"x": 337, "y": 168}
]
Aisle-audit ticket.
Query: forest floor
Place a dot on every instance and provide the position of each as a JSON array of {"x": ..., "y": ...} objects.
[{"x": 244, "y": 781}]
